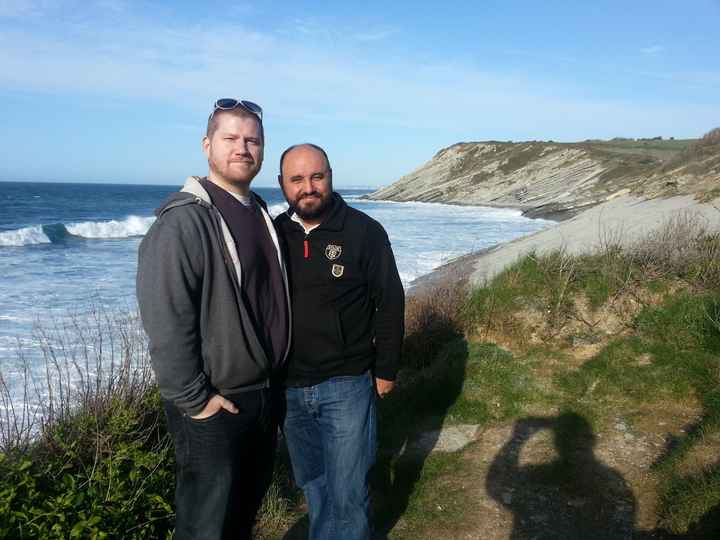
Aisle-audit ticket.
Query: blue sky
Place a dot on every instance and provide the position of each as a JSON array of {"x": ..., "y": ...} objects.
[{"x": 119, "y": 91}]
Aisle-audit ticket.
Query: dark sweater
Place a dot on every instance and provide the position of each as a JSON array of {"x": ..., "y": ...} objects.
[
  {"x": 262, "y": 286},
  {"x": 347, "y": 298}
]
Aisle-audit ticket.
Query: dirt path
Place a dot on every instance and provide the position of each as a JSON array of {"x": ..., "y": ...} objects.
[{"x": 514, "y": 482}]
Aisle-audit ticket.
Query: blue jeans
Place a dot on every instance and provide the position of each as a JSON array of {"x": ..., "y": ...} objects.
[{"x": 331, "y": 435}]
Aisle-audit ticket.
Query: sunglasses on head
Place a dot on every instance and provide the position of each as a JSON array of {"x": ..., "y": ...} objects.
[{"x": 228, "y": 104}]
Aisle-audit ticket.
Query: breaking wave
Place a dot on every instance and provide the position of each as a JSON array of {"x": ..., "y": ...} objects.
[
  {"x": 58, "y": 232},
  {"x": 26, "y": 236},
  {"x": 131, "y": 226}
]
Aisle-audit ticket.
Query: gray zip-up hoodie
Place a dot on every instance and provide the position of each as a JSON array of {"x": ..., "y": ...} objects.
[{"x": 202, "y": 340}]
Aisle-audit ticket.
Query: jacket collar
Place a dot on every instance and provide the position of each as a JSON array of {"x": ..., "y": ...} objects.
[
  {"x": 335, "y": 219},
  {"x": 191, "y": 193},
  {"x": 194, "y": 187}
]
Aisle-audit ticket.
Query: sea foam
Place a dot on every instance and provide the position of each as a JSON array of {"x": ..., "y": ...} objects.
[
  {"x": 131, "y": 226},
  {"x": 26, "y": 236},
  {"x": 276, "y": 209}
]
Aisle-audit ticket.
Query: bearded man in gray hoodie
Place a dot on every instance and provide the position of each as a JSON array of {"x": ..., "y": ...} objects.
[{"x": 213, "y": 296}]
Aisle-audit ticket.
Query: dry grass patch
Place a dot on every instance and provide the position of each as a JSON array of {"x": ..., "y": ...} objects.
[{"x": 431, "y": 321}]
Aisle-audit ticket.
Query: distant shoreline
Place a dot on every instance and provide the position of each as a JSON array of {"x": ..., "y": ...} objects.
[
  {"x": 531, "y": 212},
  {"x": 621, "y": 221}
]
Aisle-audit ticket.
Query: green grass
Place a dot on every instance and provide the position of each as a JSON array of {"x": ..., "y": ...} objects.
[
  {"x": 661, "y": 150},
  {"x": 433, "y": 501},
  {"x": 681, "y": 337},
  {"x": 535, "y": 283},
  {"x": 690, "y": 504},
  {"x": 469, "y": 383},
  {"x": 670, "y": 351},
  {"x": 497, "y": 386}
]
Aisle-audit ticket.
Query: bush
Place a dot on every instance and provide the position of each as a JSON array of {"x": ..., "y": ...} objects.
[
  {"x": 711, "y": 137},
  {"x": 92, "y": 477},
  {"x": 431, "y": 321},
  {"x": 538, "y": 284},
  {"x": 95, "y": 459},
  {"x": 541, "y": 294}
]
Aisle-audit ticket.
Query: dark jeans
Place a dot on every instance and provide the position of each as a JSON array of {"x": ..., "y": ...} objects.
[
  {"x": 224, "y": 467},
  {"x": 331, "y": 435}
]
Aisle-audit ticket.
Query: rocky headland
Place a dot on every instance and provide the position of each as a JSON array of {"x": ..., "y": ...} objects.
[
  {"x": 559, "y": 180},
  {"x": 602, "y": 191}
]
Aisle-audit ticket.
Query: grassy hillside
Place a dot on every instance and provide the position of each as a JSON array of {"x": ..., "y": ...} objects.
[
  {"x": 657, "y": 149},
  {"x": 603, "y": 373}
]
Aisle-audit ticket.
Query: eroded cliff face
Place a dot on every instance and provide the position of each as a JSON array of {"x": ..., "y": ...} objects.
[{"x": 555, "y": 180}]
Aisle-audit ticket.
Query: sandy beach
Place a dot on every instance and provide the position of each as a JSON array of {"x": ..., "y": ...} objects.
[{"x": 621, "y": 221}]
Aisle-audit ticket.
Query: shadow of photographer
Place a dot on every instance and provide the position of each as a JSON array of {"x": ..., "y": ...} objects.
[{"x": 572, "y": 496}]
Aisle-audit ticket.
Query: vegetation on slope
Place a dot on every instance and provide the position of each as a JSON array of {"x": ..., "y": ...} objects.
[
  {"x": 629, "y": 334},
  {"x": 617, "y": 353},
  {"x": 95, "y": 460}
]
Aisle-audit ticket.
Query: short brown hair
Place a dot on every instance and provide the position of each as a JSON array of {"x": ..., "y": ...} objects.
[{"x": 212, "y": 123}]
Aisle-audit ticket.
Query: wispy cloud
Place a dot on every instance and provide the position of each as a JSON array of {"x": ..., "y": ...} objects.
[
  {"x": 115, "y": 6},
  {"x": 22, "y": 8},
  {"x": 701, "y": 80},
  {"x": 305, "y": 26},
  {"x": 298, "y": 81},
  {"x": 652, "y": 50},
  {"x": 379, "y": 103},
  {"x": 377, "y": 35}
]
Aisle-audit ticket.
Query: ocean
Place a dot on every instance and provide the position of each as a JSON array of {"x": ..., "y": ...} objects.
[{"x": 67, "y": 249}]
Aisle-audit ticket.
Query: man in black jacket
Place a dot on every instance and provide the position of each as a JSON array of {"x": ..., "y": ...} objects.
[
  {"x": 214, "y": 302},
  {"x": 348, "y": 308}
]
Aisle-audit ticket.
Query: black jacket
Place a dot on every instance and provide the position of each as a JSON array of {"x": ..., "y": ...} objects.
[
  {"x": 348, "y": 302},
  {"x": 202, "y": 339}
]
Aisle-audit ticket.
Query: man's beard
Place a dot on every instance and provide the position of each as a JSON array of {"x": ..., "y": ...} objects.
[
  {"x": 223, "y": 170},
  {"x": 316, "y": 211}
]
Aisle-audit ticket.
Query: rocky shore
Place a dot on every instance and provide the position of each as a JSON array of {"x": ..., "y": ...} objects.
[
  {"x": 598, "y": 191},
  {"x": 559, "y": 180}
]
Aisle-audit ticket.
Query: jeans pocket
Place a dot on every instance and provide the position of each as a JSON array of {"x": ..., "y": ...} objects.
[
  {"x": 208, "y": 419},
  {"x": 351, "y": 384}
]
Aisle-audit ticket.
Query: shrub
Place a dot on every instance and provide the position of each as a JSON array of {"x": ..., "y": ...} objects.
[
  {"x": 538, "y": 284},
  {"x": 95, "y": 459},
  {"x": 431, "y": 321},
  {"x": 710, "y": 138},
  {"x": 92, "y": 477}
]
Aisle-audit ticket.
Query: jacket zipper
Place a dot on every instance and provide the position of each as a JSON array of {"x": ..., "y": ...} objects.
[{"x": 306, "y": 246}]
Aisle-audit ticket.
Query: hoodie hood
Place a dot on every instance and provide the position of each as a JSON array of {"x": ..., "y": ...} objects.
[
  {"x": 191, "y": 193},
  {"x": 194, "y": 187}
]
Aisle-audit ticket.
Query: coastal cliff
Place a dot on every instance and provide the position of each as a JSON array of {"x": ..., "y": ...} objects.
[{"x": 559, "y": 180}]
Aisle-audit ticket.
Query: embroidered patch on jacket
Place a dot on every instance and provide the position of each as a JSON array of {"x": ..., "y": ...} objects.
[
  {"x": 332, "y": 251},
  {"x": 337, "y": 270}
]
